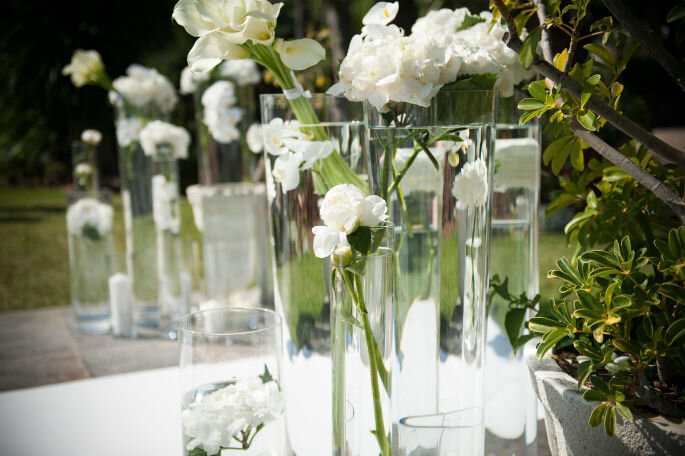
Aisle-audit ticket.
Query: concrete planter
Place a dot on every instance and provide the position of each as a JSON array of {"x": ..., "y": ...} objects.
[{"x": 567, "y": 414}]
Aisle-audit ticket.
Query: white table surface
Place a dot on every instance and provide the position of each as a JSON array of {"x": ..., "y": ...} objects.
[{"x": 130, "y": 414}]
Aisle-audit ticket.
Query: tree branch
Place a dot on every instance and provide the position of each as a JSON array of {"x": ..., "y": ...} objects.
[
  {"x": 569, "y": 85},
  {"x": 646, "y": 39},
  {"x": 653, "y": 184},
  {"x": 545, "y": 41}
]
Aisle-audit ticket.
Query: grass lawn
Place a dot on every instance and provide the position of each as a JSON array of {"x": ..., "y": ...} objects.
[{"x": 34, "y": 263}]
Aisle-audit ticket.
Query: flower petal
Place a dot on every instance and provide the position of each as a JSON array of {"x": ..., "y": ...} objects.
[
  {"x": 209, "y": 50},
  {"x": 300, "y": 54},
  {"x": 381, "y": 13},
  {"x": 187, "y": 15},
  {"x": 325, "y": 240}
]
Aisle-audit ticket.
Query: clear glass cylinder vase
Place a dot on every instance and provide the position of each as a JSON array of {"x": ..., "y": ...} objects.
[
  {"x": 135, "y": 173},
  {"x": 510, "y": 407},
  {"x": 434, "y": 165},
  {"x": 92, "y": 259},
  {"x": 294, "y": 188},
  {"x": 230, "y": 376},
  {"x": 84, "y": 167},
  {"x": 362, "y": 322},
  {"x": 173, "y": 282}
]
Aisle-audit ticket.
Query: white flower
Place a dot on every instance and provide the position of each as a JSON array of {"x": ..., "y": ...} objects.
[
  {"x": 163, "y": 140},
  {"x": 222, "y": 26},
  {"x": 287, "y": 170},
  {"x": 219, "y": 114},
  {"x": 241, "y": 71},
  {"x": 277, "y": 131},
  {"x": 89, "y": 214},
  {"x": 128, "y": 130},
  {"x": 164, "y": 196},
  {"x": 470, "y": 187},
  {"x": 300, "y": 54},
  {"x": 343, "y": 210},
  {"x": 195, "y": 195},
  {"x": 255, "y": 138},
  {"x": 86, "y": 67},
  {"x": 443, "y": 22},
  {"x": 190, "y": 80},
  {"x": 83, "y": 169},
  {"x": 218, "y": 417},
  {"x": 91, "y": 137},
  {"x": 146, "y": 88},
  {"x": 381, "y": 13}
]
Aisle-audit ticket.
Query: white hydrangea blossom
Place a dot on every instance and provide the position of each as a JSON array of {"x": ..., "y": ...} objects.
[
  {"x": 145, "y": 87},
  {"x": 164, "y": 140},
  {"x": 190, "y": 80},
  {"x": 241, "y": 71},
  {"x": 128, "y": 130},
  {"x": 220, "y": 115},
  {"x": 83, "y": 169},
  {"x": 442, "y": 22},
  {"x": 223, "y": 414},
  {"x": 89, "y": 213},
  {"x": 295, "y": 151},
  {"x": 343, "y": 210},
  {"x": 164, "y": 195},
  {"x": 470, "y": 187}
]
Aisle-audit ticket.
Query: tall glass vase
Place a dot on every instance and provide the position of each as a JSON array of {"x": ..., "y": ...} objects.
[
  {"x": 362, "y": 345},
  {"x": 135, "y": 172},
  {"x": 300, "y": 278},
  {"x": 510, "y": 410},
  {"x": 434, "y": 165},
  {"x": 91, "y": 259},
  {"x": 172, "y": 281}
]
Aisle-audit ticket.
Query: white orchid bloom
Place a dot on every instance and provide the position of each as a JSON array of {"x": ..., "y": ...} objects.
[
  {"x": 222, "y": 26},
  {"x": 300, "y": 54},
  {"x": 277, "y": 131},
  {"x": 311, "y": 150},
  {"x": 381, "y": 13},
  {"x": 287, "y": 170}
]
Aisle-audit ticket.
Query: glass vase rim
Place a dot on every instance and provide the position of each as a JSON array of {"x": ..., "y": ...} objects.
[
  {"x": 184, "y": 321},
  {"x": 311, "y": 95},
  {"x": 404, "y": 420}
]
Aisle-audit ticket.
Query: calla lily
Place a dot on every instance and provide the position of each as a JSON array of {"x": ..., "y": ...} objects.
[
  {"x": 210, "y": 50},
  {"x": 300, "y": 54},
  {"x": 287, "y": 170},
  {"x": 381, "y": 13}
]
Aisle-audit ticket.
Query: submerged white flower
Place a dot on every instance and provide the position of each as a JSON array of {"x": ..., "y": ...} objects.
[
  {"x": 128, "y": 130},
  {"x": 470, "y": 187},
  {"x": 91, "y": 137},
  {"x": 88, "y": 216},
  {"x": 164, "y": 196},
  {"x": 343, "y": 210},
  {"x": 190, "y": 80},
  {"x": 241, "y": 71},
  {"x": 146, "y": 88},
  {"x": 221, "y": 27},
  {"x": 287, "y": 170},
  {"x": 220, "y": 115},
  {"x": 222, "y": 415},
  {"x": 162, "y": 140},
  {"x": 86, "y": 67},
  {"x": 255, "y": 138}
]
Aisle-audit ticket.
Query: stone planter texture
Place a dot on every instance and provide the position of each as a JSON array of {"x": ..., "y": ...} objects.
[{"x": 567, "y": 414}]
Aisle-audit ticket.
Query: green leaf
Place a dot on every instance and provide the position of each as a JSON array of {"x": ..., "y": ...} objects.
[
  {"x": 555, "y": 148},
  {"x": 538, "y": 90},
  {"x": 594, "y": 79},
  {"x": 470, "y": 21},
  {"x": 587, "y": 120},
  {"x": 601, "y": 52},
  {"x": 91, "y": 233},
  {"x": 624, "y": 411},
  {"x": 676, "y": 13},
  {"x": 584, "y": 370},
  {"x": 577, "y": 158},
  {"x": 587, "y": 349},
  {"x": 197, "y": 452},
  {"x": 549, "y": 340},
  {"x": 599, "y": 384},
  {"x": 266, "y": 376},
  {"x": 513, "y": 321},
  {"x": 594, "y": 396},
  {"x": 360, "y": 239},
  {"x": 675, "y": 331},
  {"x": 543, "y": 325},
  {"x": 529, "y": 47},
  {"x": 528, "y": 104},
  {"x": 527, "y": 117},
  {"x": 625, "y": 346},
  {"x": 598, "y": 414},
  {"x": 357, "y": 267},
  {"x": 610, "y": 421}
]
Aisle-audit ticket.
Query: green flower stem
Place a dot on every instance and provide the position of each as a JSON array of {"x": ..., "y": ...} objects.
[
  {"x": 386, "y": 165},
  {"x": 373, "y": 369},
  {"x": 404, "y": 170}
]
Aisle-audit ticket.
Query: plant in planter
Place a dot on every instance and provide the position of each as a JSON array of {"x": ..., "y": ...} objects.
[{"x": 619, "y": 324}]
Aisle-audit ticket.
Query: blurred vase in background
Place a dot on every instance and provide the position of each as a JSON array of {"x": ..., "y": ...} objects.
[
  {"x": 511, "y": 404},
  {"x": 92, "y": 259}
]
